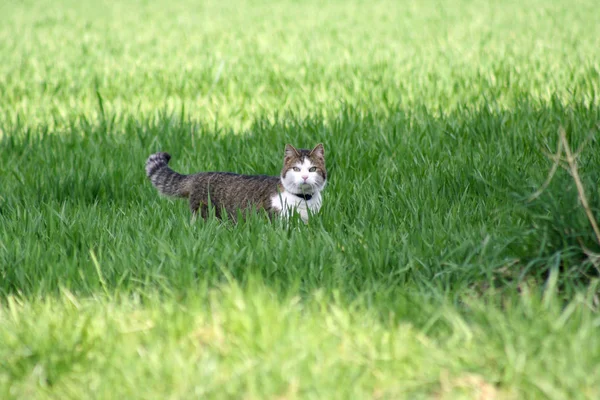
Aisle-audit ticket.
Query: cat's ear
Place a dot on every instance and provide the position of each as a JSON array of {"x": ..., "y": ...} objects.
[
  {"x": 290, "y": 151},
  {"x": 318, "y": 151}
]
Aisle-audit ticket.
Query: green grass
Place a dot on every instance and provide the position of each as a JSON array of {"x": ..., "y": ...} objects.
[{"x": 427, "y": 274}]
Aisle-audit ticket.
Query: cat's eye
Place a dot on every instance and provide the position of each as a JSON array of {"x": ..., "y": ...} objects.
[
  {"x": 296, "y": 169},
  {"x": 312, "y": 169}
]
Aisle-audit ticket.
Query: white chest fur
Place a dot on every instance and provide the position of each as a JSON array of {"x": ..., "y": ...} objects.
[{"x": 287, "y": 203}]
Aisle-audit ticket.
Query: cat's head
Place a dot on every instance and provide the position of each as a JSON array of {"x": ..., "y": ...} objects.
[{"x": 304, "y": 170}]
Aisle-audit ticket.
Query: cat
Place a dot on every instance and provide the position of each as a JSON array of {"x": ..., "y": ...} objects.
[{"x": 297, "y": 189}]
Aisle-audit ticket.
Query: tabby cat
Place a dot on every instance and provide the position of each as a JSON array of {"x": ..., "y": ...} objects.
[{"x": 297, "y": 189}]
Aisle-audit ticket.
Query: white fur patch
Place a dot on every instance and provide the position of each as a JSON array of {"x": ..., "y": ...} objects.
[{"x": 287, "y": 203}]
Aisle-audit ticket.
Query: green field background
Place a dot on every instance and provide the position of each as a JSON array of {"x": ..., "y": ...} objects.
[{"x": 428, "y": 273}]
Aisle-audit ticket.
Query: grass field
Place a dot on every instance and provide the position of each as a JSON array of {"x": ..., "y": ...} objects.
[{"x": 427, "y": 274}]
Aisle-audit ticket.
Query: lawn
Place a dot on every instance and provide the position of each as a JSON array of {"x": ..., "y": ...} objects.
[{"x": 430, "y": 271}]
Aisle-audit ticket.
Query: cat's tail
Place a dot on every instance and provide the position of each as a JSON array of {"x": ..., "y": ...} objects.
[{"x": 167, "y": 181}]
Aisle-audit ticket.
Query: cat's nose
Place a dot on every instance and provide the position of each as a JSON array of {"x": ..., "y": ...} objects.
[{"x": 305, "y": 177}]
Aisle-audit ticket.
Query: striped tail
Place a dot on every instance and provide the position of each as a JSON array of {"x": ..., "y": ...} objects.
[{"x": 167, "y": 181}]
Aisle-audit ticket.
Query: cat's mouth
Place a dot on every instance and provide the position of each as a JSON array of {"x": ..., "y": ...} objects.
[{"x": 306, "y": 187}]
